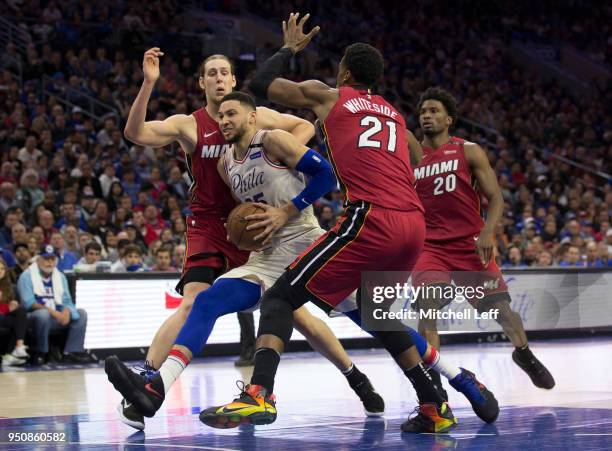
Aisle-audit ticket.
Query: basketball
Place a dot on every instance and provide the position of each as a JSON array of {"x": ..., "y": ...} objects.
[{"x": 236, "y": 227}]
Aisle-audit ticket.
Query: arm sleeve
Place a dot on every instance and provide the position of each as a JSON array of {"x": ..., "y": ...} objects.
[
  {"x": 321, "y": 182},
  {"x": 272, "y": 68}
]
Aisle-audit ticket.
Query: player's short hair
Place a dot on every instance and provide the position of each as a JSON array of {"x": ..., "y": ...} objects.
[
  {"x": 216, "y": 56},
  {"x": 365, "y": 62},
  {"x": 242, "y": 97},
  {"x": 442, "y": 96}
]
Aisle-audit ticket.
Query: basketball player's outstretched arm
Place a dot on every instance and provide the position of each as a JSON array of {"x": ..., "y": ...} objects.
[
  {"x": 488, "y": 185},
  {"x": 267, "y": 81},
  {"x": 300, "y": 128},
  {"x": 283, "y": 147},
  {"x": 157, "y": 133}
]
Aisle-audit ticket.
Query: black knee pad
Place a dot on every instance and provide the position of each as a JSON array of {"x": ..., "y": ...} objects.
[
  {"x": 277, "y": 308},
  {"x": 394, "y": 341}
]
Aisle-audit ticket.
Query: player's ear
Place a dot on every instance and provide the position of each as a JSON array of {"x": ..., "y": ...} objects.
[
  {"x": 449, "y": 120},
  {"x": 201, "y": 83},
  {"x": 233, "y": 81},
  {"x": 253, "y": 117}
]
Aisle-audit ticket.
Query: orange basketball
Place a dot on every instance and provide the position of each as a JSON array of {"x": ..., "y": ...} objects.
[{"x": 236, "y": 227}]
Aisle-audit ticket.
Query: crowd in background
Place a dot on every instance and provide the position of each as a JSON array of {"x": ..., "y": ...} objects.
[{"x": 106, "y": 204}]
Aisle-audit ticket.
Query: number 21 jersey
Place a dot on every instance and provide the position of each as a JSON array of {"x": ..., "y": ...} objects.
[{"x": 366, "y": 143}]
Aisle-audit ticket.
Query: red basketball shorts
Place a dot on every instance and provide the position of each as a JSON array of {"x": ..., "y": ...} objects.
[
  {"x": 456, "y": 260},
  {"x": 366, "y": 238}
]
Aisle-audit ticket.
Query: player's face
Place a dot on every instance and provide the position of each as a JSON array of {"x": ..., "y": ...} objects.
[
  {"x": 433, "y": 118},
  {"x": 217, "y": 80},
  {"x": 235, "y": 120},
  {"x": 343, "y": 74}
]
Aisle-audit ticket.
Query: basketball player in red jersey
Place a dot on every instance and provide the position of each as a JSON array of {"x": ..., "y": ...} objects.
[
  {"x": 209, "y": 254},
  {"x": 459, "y": 244},
  {"x": 382, "y": 227}
]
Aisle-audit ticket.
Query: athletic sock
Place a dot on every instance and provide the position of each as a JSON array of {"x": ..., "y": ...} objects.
[
  {"x": 266, "y": 364},
  {"x": 440, "y": 365},
  {"x": 523, "y": 349},
  {"x": 353, "y": 375},
  {"x": 172, "y": 368},
  {"x": 423, "y": 385}
]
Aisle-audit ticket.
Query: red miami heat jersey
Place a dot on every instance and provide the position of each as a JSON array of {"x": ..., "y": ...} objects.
[
  {"x": 210, "y": 196},
  {"x": 448, "y": 192},
  {"x": 366, "y": 142}
]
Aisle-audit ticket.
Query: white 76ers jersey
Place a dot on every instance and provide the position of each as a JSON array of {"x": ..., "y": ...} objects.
[{"x": 257, "y": 179}]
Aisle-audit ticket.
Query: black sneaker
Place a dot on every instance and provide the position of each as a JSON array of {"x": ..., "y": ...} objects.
[
  {"x": 130, "y": 416},
  {"x": 538, "y": 373},
  {"x": 145, "y": 392},
  {"x": 430, "y": 419},
  {"x": 373, "y": 403},
  {"x": 80, "y": 357},
  {"x": 482, "y": 400}
]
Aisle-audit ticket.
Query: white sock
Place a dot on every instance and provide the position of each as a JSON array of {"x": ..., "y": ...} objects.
[
  {"x": 170, "y": 370},
  {"x": 440, "y": 364}
]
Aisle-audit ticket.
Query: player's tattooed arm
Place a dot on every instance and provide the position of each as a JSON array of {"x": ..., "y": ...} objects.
[
  {"x": 488, "y": 185},
  {"x": 414, "y": 148},
  {"x": 180, "y": 127},
  {"x": 300, "y": 128}
]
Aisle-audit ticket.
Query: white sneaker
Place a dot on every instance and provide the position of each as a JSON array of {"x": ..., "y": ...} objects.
[
  {"x": 20, "y": 353},
  {"x": 10, "y": 360}
]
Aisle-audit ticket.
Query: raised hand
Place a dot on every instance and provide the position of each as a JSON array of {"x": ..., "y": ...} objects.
[
  {"x": 150, "y": 64},
  {"x": 293, "y": 32}
]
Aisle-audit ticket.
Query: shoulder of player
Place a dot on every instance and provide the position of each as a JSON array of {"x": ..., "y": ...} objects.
[
  {"x": 274, "y": 138},
  {"x": 473, "y": 153}
]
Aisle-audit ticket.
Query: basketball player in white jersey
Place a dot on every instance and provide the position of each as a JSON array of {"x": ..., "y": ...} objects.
[
  {"x": 209, "y": 253},
  {"x": 268, "y": 167}
]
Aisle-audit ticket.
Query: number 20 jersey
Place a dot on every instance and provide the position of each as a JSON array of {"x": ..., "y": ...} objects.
[
  {"x": 366, "y": 143},
  {"x": 447, "y": 189}
]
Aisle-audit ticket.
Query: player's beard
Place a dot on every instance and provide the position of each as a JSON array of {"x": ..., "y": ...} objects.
[{"x": 239, "y": 133}]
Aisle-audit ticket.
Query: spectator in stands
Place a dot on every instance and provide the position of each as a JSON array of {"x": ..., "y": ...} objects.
[
  {"x": 177, "y": 184},
  {"x": 23, "y": 258},
  {"x": 29, "y": 153},
  {"x": 119, "y": 265},
  {"x": 71, "y": 238},
  {"x": 8, "y": 196},
  {"x": 515, "y": 258},
  {"x": 178, "y": 256},
  {"x": 93, "y": 254},
  {"x": 14, "y": 317},
  {"x": 65, "y": 259},
  {"x": 132, "y": 260},
  {"x": 6, "y": 231},
  {"x": 326, "y": 217},
  {"x": 46, "y": 223},
  {"x": 44, "y": 292},
  {"x": 19, "y": 234},
  {"x": 163, "y": 260},
  {"x": 115, "y": 195},
  {"x": 571, "y": 257},
  {"x": 108, "y": 179},
  {"x": 30, "y": 194},
  {"x": 592, "y": 256},
  {"x": 545, "y": 259}
]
